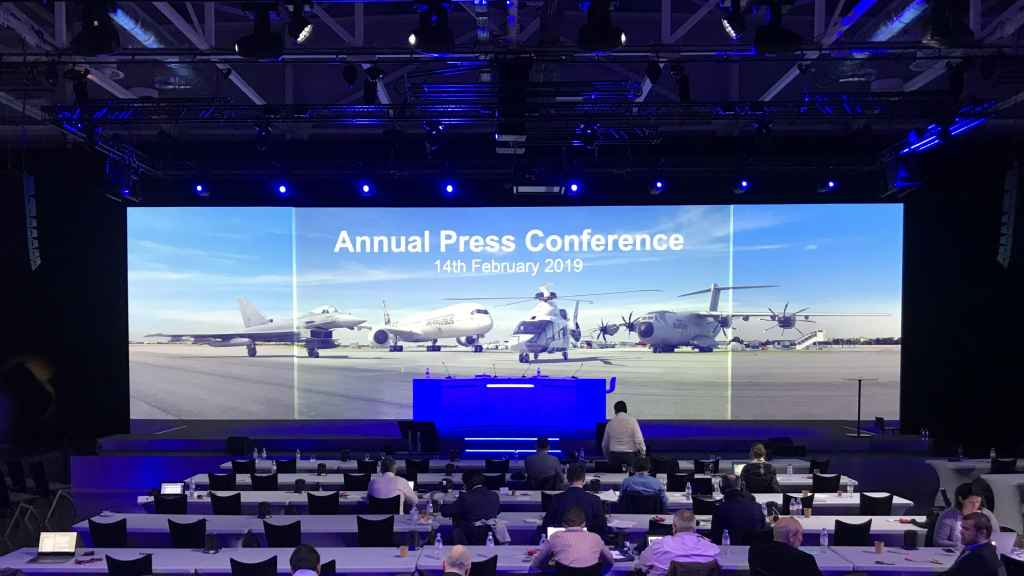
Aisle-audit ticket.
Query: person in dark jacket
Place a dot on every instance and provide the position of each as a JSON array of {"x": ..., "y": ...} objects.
[
  {"x": 979, "y": 557},
  {"x": 576, "y": 497},
  {"x": 782, "y": 556},
  {"x": 474, "y": 504},
  {"x": 544, "y": 471},
  {"x": 738, "y": 513},
  {"x": 759, "y": 476}
]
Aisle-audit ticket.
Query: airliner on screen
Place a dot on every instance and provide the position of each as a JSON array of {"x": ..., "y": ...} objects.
[{"x": 467, "y": 323}]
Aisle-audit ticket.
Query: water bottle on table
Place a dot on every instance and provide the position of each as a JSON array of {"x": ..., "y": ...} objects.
[
  {"x": 992, "y": 454},
  {"x": 543, "y": 538},
  {"x": 823, "y": 538},
  {"x": 490, "y": 539},
  {"x": 298, "y": 455},
  {"x": 263, "y": 455},
  {"x": 255, "y": 454},
  {"x": 725, "y": 540},
  {"x": 438, "y": 543},
  {"x": 789, "y": 469}
]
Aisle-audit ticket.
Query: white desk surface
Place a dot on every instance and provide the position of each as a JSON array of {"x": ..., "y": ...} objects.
[{"x": 614, "y": 480}]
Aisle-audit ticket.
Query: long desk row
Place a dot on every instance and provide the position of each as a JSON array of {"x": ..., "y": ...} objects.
[
  {"x": 511, "y": 560},
  {"x": 523, "y": 527},
  {"x": 520, "y": 501},
  {"x": 800, "y": 466}
]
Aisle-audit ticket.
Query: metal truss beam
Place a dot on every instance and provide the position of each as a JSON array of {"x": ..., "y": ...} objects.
[{"x": 668, "y": 36}]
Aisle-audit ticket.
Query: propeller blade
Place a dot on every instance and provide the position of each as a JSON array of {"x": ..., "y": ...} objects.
[
  {"x": 605, "y": 293},
  {"x": 797, "y": 313},
  {"x": 810, "y": 321},
  {"x": 785, "y": 308},
  {"x": 768, "y": 328}
]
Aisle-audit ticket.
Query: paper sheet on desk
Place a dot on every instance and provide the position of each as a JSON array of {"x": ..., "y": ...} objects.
[{"x": 621, "y": 524}]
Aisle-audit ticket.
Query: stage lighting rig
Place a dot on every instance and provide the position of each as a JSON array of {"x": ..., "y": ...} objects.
[
  {"x": 299, "y": 27},
  {"x": 262, "y": 43},
  {"x": 599, "y": 32},
  {"x": 733, "y": 21},
  {"x": 98, "y": 34},
  {"x": 433, "y": 33}
]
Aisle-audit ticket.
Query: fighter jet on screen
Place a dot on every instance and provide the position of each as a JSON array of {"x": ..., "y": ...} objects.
[{"x": 312, "y": 330}]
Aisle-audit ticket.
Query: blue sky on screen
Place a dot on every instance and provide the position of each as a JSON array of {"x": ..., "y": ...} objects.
[{"x": 188, "y": 266}]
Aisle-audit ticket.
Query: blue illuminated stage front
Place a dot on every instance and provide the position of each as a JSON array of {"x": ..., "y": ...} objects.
[{"x": 501, "y": 408}]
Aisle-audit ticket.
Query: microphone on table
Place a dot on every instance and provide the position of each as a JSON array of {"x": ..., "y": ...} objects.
[
  {"x": 494, "y": 371},
  {"x": 577, "y": 370},
  {"x": 446, "y": 369}
]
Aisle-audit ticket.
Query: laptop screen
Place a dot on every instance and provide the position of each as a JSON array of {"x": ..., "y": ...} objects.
[
  {"x": 57, "y": 542},
  {"x": 554, "y": 529},
  {"x": 737, "y": 467},
  {"x": 653, "y": 539},
  {"x": 412, "y": 485},
  {"x": 172, "y": 488}
]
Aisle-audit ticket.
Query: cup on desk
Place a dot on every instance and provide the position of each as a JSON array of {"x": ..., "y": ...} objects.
[
  {"x": 403, "y": 551},
  {"x": 807, "y": 512},
  {"x": 879, "y": 547}
]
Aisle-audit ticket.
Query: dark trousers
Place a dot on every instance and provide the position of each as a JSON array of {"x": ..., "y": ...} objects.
[{"x": 617, "y": 459}]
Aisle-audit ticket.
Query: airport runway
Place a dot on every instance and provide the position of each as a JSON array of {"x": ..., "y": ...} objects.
[{"x": 188, "y": 381}]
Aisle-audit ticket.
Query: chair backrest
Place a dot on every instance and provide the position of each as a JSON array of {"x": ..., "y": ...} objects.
[
  {"x": 496, "y": 466},
  {"x": 239, "y": 445},
  {"x": 664, "y": 465},
  {"x": 825, "y": 483},
  {"x": 494, "y": 481},
  {"x": 546, "y": 483},
  {"x": 945, "y": 497},
  {"x": 852, "y": 534},
  {"x": 391, "y": 505},
  {"x": 704, "y": 505},
  {"x": 356, "y": 482},
  {"x": 880, "y": 424},
  {"x": 655, "y": 528},
  {"x": 170, "y": 503},
  {"x": 820, "y": 465},
  {"x": 805, "y": 502},
  {"x": 243, "y": 466},
  {"x": 418, "y": 466},
  {"x": 606, "y": 467},
  {"x": 267, "y": 567},
  {"x": 756, "y": 480},
  {"x": 634, "y": 503},
  {"x": 42, "y": 483},
  {"x": 702, "y": 486},
  {"x": 366, "y": 466},
  {"x": 375, "y": 533},
  {"x": 286, "y": 466},
  {"x": 1013, "y": 566},
  {"x": 677, "y": 482},
  {"x": 250, "y": 540},
  {"x": 140, "y": 566},
  {"x": 875, "y": 505},
  {"x": 487, "y": 567},
  {"x": 265, "y": 482},
  {"x": 109, "y": 534},
  {"x": 1004, "y": 466},
  {"x": 474, "y": 535},
  {"x": 188, "y": 534},
  {"x": 705, "y": 466},
  {"x": 329, "y": 568},
  {"x": 16, "y": 472},
  {"x": 545, "y": 501},
  {"x": 223, "y": 481},
  {"x": 323, "y": 504},
  {"x": 283, "y": 535},
  {"x": 563, "y": 570},
  {"x": 228, "y": 505},
  {"x": 676, "y": 568}
]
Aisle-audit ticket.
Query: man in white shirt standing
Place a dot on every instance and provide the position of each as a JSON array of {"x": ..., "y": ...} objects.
[
  {"x": 388, "y": 485},
  {"x": 623, "y": 441}
]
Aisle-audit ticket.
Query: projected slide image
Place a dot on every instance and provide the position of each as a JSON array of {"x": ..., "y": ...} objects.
[{"x": 699, "y": 311}]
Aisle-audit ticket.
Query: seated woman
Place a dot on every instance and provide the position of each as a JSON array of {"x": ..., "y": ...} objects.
[
  {"x": 947, "y": 527},
  {"x": 759, "y": 476}
]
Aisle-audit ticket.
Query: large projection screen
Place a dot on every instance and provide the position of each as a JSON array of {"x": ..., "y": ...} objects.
[{"x": 298, "y": 313}]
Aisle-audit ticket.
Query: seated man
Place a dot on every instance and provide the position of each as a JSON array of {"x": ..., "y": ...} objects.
[
  {"x": 573, "y": 547},
  {"x": 739, "y": 513},
  {"x": 474, "y": 504},
  {"x": 947, "y": 527},
  {"x": 544, "y": 471},
  {"x": 576, "y": 497},
  {"x": 305, "y": 561},
  {"x": 979, "y": 556},
  {"x": 782, "y": 557},
  {"x": 457, "y": 561},
  {"x": 388, "y": 485},
  {"x": 759, "y": 476},
  {"x": 684, "y": 545},
  {"x": 643, "y": 483}
]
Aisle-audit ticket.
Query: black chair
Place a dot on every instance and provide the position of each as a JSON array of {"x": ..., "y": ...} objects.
[
  {"x": 825, "y": 483},
  {"x": 287, "y": 466},
  {"x": 376, "y": 533},
  {"x": 677, "y": 482},
  {"x": 702, "y": 486},
  {"x": 267, "y": 567},
  {"x": 471, "y": 535},
  {"x": 805, "y": 502},
  {"x": 852, "y": 534},
  {"x": 366, "y": 466},
  {"x": 496, "y": 466},
  {"x": 875, "y": 505},
  {"x": 323, "y": 504},
  {"x": 223, "y": 482},
  {"x": 1004, "y": 466},
  {"x": 634, "y": 503},
  {"x": 141, "y": 566},
  {"x": 545, "y": 483},
  {"x": 487, "y": 567},
  {"x": 563, "y": 570},
  {"x": 356, "y": 482},
  {"x": 239, "y": 445},
  {"x": 664, "y": 465},
  {"x": 881, "y": 428},
  {"x": 494, "y": 481},
  {"x": 945, "y": 498},
  {"x": 171, "y": 503},
  {"x": 283, "y": 535},
  {"x": 41, "y": 484},
  {"x": 243, "y": 466},
  {"x": 16, "y": 472},
  {"x": 391, "y": 505},
  {"x": 265, "y": 482},
  {"x": 704, "y": 505},
  {"x": 658, "y": 528},
  {"x": 545, "y": 500},
  {"x": 230, "y": 505},
  {"x": 188, "y": 534},
  {"x": 705, "y": 466},
  {"x": 250, "y": 540},
  {"x": 677, "y": 568},
  {"x": 109, "y": 534},
  {"x": 329, "y": 568},
  {"x": 1013, "y": 566},
  {"x": 820, "y": 466},
  {"x": 606, "y": 467}
]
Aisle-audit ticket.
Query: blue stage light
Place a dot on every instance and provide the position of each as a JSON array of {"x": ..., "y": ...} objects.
[
  {"x": 282, "y": 190},
  {"x": 659, "y": 185},
  {"x": 449, "y": 188},
  {"x": 574, "y": 188},
  {"x": 831, "y": 183},
  {"x": 744, "y": 184},
  {"x": 126, "y": 192},
  {"x": 199, "y": 188}
]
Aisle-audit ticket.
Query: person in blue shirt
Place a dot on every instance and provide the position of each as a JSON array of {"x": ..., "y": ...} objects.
[{"x": 641, "y": 482}]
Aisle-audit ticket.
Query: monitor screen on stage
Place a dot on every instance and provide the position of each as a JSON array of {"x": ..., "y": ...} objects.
[{"x": 745, "y": 312}]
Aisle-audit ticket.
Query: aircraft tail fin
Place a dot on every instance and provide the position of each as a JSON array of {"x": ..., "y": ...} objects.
[
  {"x": 716, "y": 292},
  {"x": 250, "y": 315}
]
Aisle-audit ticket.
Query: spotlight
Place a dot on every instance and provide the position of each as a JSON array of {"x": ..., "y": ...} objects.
[
  {"x": 741, "y": 187},
  {"x": 202, "y": 191},
  {"x": 449, "y": 188},
  {"x": 733, "y": 21},
  {"x": 365, "y": 189},
  {"x": 828, "y": 186},
  {"x": 574, "y": 188},
  {"x": 433, "y": 33},
  {"x": 599, "y": 32},
  {"x": 282, "y": 190},
  {"x": 657, "y": 187},
  {"x": 412, "y": 39},
  {"x": 262, "y": 44},
  {"x": 299, "y": 27},
  {"x": 98, "y": 35}
]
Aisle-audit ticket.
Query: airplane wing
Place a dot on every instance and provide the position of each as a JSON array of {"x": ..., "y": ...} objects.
[
  {"x": 800, "y": 315},
  {"x": 402, "y": 334},
  {"x": 224, "y": 335}
]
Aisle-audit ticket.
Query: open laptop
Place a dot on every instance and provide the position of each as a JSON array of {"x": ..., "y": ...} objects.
[
  {"x": 56, "y": 547},
  {"x": 653, "y": 539},
  {"x": 737, "y": 467},
  {"x": 172, "y": 488},
  {"x": 554, "y": 529}
]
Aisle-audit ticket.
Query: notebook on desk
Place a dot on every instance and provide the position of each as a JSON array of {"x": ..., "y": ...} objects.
[{"x": 56, "y": 547}]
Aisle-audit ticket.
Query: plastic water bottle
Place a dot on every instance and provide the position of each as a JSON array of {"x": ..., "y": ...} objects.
[
  {"x": 957, "y": 542},
  {"x": 430, "y": 507},
  {"x": 764, "y": 509},
  {"x": 725, "y": 540},
  {"x": 255, "y": 454},
  {"x": 438, "y": 543},
  {"x": 273, "y": 466},
  {"x": 264, "y": 454},
  {"x": 789, "y": 469},
  {"x": 689, "y": 491},
  {"x": 191, "y": 487},
  {"x": 823, "y": 538},
  {"x": 490, "y": 539},
  {"x": 960, "y": 451},
  {"x": 543, "y": 538},
  {"x": 849, "y": 490},
  {"x": 298, "y": 455},
  {"x": 992, "y": 454}
]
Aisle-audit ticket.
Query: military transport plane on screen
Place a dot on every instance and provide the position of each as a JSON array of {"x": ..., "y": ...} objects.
[
  {"x": 313, "y": 330},
  {"x": 664, "y": 331},
  {"x": 467, "y": 323}
]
